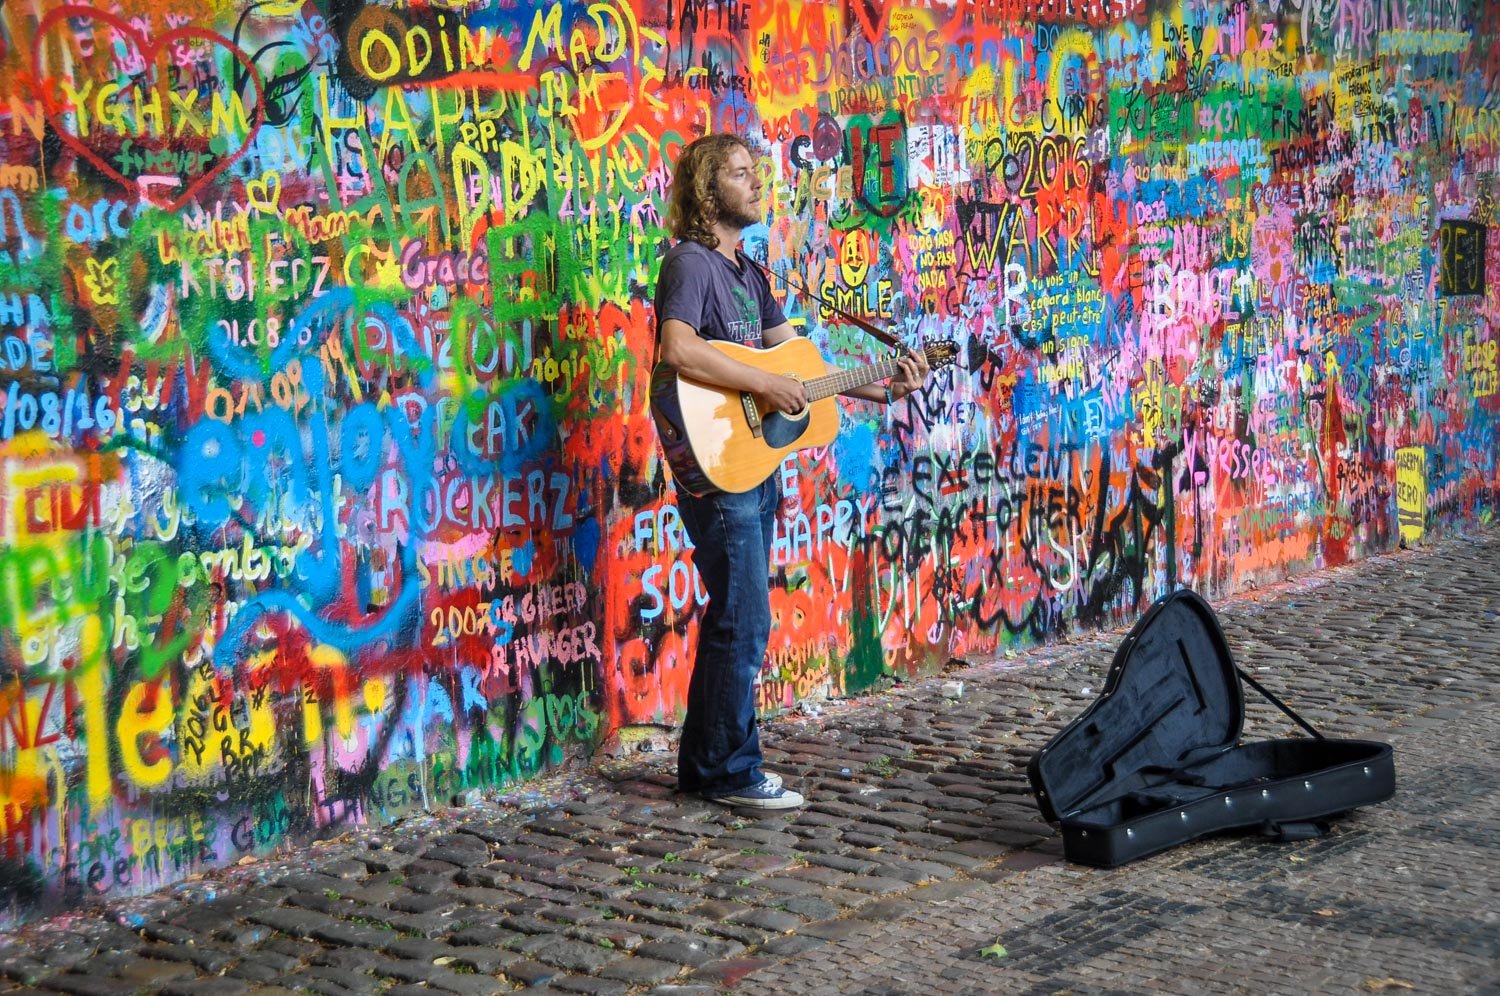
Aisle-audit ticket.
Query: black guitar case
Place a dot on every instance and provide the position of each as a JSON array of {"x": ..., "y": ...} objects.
[{"x": 1156, "y": 760}]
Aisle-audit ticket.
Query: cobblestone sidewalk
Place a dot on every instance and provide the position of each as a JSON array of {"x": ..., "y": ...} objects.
[{"x": 920, "y": 864}]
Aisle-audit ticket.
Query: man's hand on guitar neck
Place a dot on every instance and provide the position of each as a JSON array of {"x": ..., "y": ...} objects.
[{"x": 911, "y": 374}]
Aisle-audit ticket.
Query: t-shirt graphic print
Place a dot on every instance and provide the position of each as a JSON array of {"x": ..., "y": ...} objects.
[{"x": 725, "y": 300}]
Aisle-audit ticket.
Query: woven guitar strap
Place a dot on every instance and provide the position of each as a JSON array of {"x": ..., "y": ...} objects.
[{"x": 879, "y": 334}]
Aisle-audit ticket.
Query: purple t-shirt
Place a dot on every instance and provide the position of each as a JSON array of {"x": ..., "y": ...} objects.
[{"x": 728, "y": 301}]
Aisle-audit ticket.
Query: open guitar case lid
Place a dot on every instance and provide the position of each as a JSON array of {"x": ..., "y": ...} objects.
[{"x": 1157, "y": 761}]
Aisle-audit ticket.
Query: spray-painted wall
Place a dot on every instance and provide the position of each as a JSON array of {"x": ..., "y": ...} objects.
[{"x": 326, "y": 476}]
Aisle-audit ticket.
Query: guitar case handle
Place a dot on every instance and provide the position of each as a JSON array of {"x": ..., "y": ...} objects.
[{"x": 1286, "y": 833}]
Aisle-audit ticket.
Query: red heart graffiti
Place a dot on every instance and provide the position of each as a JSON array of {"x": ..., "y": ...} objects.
[
  {"x": 149, "y": 50},
  {"x": 874, "y": 19}
]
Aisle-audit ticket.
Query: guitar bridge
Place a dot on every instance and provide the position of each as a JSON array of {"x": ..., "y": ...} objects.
[{"x": 752, "y": 413}]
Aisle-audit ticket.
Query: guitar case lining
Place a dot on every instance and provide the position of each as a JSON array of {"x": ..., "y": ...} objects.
[{"x": 1156, "y": 760}]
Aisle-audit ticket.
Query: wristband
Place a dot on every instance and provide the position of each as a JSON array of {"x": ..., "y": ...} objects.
[{"x": 888, "y": 398}]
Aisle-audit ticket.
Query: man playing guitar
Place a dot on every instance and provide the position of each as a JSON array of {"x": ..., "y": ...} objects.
[{"x": 709, "y": 290}]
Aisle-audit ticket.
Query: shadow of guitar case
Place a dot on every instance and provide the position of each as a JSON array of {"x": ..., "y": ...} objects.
[{"x": 1156, "y": 760}]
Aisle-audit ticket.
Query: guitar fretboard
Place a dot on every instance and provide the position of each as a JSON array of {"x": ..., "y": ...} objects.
[{"x": 847, "y": 380}]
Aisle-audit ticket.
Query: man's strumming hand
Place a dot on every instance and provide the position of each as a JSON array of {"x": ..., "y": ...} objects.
[{"x": 782, "y": 394}]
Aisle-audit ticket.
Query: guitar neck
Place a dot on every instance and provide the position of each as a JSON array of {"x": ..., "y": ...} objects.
[{"x": 819, "y": 388}]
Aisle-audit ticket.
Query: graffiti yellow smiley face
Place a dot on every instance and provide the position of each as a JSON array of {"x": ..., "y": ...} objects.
[{"x": 854, "y": 257}]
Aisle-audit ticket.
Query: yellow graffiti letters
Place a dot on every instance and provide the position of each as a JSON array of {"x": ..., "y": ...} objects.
[
  {"x": 180, "y": 838},
  {"x": 331, "y": 661},
  {"x": 385, "y": 49},
  {"x": 1480, "y": 363},
  {"x": 139, "y": 111},
  {"x": 146, "y": 711},
  {"x": 21, "y": 177}
]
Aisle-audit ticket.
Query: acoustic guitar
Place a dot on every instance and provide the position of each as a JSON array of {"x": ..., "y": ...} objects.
[{"x": 719, "y": 439}]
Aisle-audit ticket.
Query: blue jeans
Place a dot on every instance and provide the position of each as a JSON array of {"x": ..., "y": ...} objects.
[{"x": 731, "y": 533}]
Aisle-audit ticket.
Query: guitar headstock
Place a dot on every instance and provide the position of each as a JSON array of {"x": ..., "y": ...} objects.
[{"x": 940, "y": 353}]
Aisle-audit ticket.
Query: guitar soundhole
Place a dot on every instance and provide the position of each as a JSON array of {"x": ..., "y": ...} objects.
[{"x": 782, "y": 430}]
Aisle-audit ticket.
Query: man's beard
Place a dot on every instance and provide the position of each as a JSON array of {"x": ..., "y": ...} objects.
[{"x": 738, "y": 217}]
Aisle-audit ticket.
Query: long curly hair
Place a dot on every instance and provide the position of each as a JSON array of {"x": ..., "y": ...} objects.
[{"x": 693, "y": 210}]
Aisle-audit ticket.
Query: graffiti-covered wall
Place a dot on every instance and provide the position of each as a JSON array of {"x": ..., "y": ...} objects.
[{"x": 327, "y": 478}]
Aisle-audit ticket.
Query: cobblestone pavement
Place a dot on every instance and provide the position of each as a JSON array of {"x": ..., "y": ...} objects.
[{"x": 920, "y": 864}]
